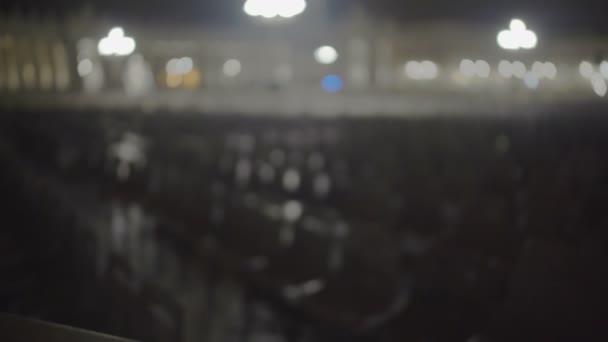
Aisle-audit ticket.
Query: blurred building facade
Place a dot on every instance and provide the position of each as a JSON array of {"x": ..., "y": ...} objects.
[{"x": 267, "y": 66}]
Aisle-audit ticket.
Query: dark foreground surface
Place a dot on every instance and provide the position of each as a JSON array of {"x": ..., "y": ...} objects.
[
  {"x": 17, "y": 329},
  {"x": 209, "y": 228}
]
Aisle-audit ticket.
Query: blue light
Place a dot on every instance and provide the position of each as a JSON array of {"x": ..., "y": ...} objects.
[{"x": 332, "y": 83}]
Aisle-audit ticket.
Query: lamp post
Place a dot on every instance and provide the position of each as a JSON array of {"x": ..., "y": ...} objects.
[
  {"x": 116, "y": 43},
  {"x": 518, "y": 36},
  {"x": 271, "y": 9}
]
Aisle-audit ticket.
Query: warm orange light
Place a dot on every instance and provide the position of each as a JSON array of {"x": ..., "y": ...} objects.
[
  {"x": 173, "y": 80},
  {"x": 192, "y": 79}
]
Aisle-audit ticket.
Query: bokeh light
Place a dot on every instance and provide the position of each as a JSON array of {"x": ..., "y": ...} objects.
[
  {"x": 116, "y": 44},
  {"x": 412, "y": 70},
  {"x": 173, "y": 80},
  {"x": 425, "y": 70},
  {"x": 604, "y": 69},
  {"x": 332, "y": 83},
  {"x": 291, "y": 180},
  {"x": 274, "y": 8},
  {"x": 519, "y": 69},
  {"x": 85, "y": 67},
  {"x": 184, "y": 65},
  {"x": 192, "y": 79},
  {"x": 518, "y": 36},
  {"x": 326, "y": 55},
  {"x": 550, "y": 70},
  {"x": 179, "y": 66},
  {"x": 292, "y": 210},
  {"x": 586, "y": 69},
  {"x": 482, "y": 68},
  {"x": 429, "y": 70},
  {"x": 232, "y": 68},
  {"x": 538, "y": 69},
  {"x": 505, "y": 69},
  {"x": 171, "y": 66},
  {"x": 467, "y": 68},
  {"x": 531, "y": 80},
  {"x": 479, "y": 68},
  {"x": 599, "y": 84}
]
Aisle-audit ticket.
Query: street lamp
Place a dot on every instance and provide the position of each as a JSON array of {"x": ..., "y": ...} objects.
[
  {"x": 116, "y": 44},
  {"x": 326, "y": 54},
  {"x": 274, "y": 8},
  {"x": 518, "y": 36}
]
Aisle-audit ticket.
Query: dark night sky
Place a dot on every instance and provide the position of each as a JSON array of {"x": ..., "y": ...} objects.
[{"x": 557, "y": 16}]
